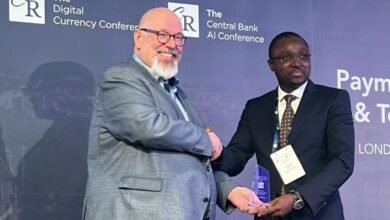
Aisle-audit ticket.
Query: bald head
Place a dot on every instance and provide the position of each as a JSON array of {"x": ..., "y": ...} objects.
[
  {"x": 155, "y": 40},
  {"x": 159, "y": 17}
]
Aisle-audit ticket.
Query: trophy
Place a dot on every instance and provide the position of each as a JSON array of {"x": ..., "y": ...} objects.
[{"x": 260, "y": 184}]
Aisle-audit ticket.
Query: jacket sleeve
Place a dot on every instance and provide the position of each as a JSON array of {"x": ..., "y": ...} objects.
[
  {"x": 225, "y": 185},
  {"x": 340, "y": 144},
  {"x": 235, "y": 156}
]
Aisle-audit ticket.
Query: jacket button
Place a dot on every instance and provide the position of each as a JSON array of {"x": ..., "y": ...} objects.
[{"x": 205, "y": 199}]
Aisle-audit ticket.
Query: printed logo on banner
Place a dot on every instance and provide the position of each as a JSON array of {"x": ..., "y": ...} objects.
[
  {"x": 27, "y": 11},
  {"x": 189, "y": 17}
]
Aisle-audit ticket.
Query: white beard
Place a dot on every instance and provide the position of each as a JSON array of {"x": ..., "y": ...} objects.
[{"x": 166, "y": 71}]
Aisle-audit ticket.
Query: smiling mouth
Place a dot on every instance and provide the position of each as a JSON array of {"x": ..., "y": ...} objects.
[
  {"x": 297, "y": 73},
  {"x": 168, "y": 53}
]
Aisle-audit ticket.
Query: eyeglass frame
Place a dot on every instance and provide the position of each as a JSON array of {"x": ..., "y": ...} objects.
[
  {"x": 160, "y": 34},
  {"x": 305, "y": 57}
]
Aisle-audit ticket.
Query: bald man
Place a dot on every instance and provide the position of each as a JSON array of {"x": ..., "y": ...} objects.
[{"x": 149, "y": 153}]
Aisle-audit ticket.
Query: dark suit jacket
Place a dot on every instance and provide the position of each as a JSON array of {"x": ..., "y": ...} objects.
[{"x": 322, "y": 136}]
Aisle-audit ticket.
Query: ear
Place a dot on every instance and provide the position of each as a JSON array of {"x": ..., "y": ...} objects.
[
  {"x": 137, "y": 39},
  {"x": 271, "y": 65}
]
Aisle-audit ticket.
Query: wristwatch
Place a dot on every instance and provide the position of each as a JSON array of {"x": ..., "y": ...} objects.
[{"x": 298, "y": 202}]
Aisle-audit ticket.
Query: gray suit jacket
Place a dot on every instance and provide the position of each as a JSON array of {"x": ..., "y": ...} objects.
[{"x": 145, "y": 161}]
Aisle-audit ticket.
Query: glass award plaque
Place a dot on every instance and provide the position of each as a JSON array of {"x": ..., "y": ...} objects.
[{"x": 260, "y": 184}]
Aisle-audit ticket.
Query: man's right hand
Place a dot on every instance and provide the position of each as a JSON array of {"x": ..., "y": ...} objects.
[{"x": 247, "y": 201}]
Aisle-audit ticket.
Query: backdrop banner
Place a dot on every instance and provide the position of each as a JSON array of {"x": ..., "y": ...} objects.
[{"x": 54, "y": 52}]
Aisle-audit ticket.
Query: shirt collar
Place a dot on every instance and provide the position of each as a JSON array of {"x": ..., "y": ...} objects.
[{"x": 297, "y": 93}]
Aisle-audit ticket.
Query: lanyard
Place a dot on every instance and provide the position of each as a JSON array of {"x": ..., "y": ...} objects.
[{"x": 275, "y": 142}]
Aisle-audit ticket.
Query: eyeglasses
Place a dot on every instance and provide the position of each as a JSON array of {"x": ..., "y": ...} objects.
[
  {"x": 305, "y": 57},
  {"x": 163, "y": 37}
]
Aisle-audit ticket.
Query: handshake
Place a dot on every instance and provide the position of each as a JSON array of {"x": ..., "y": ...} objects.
[{"x": 216, "y": 144}]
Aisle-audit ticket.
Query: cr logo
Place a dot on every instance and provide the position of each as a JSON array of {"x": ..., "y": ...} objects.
[
  {"x": 32, "y": 7},
  {"x": 187, "y": 20}
]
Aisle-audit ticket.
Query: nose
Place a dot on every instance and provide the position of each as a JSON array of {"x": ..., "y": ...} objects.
[
  {"x": 296, "y": 60},
  {"x": 171, "y": 42}
]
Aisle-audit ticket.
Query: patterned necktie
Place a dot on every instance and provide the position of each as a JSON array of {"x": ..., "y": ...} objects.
[{"x": 287, "y": 119}]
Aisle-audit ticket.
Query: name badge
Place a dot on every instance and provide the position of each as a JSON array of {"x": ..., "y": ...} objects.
[{"x": 287, "y": 164}]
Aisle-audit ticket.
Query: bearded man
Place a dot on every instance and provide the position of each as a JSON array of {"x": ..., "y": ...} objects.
[{"x": 149, "y": 154}]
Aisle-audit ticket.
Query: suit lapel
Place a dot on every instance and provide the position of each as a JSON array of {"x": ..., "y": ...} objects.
[
  {"x": 172, "y": 101},
  {"x": 154, "y": 83},
  {"x": 186, "y": 105},
  {"x": 305, "y": 108},
  {"x": 262, "y": 122}
]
